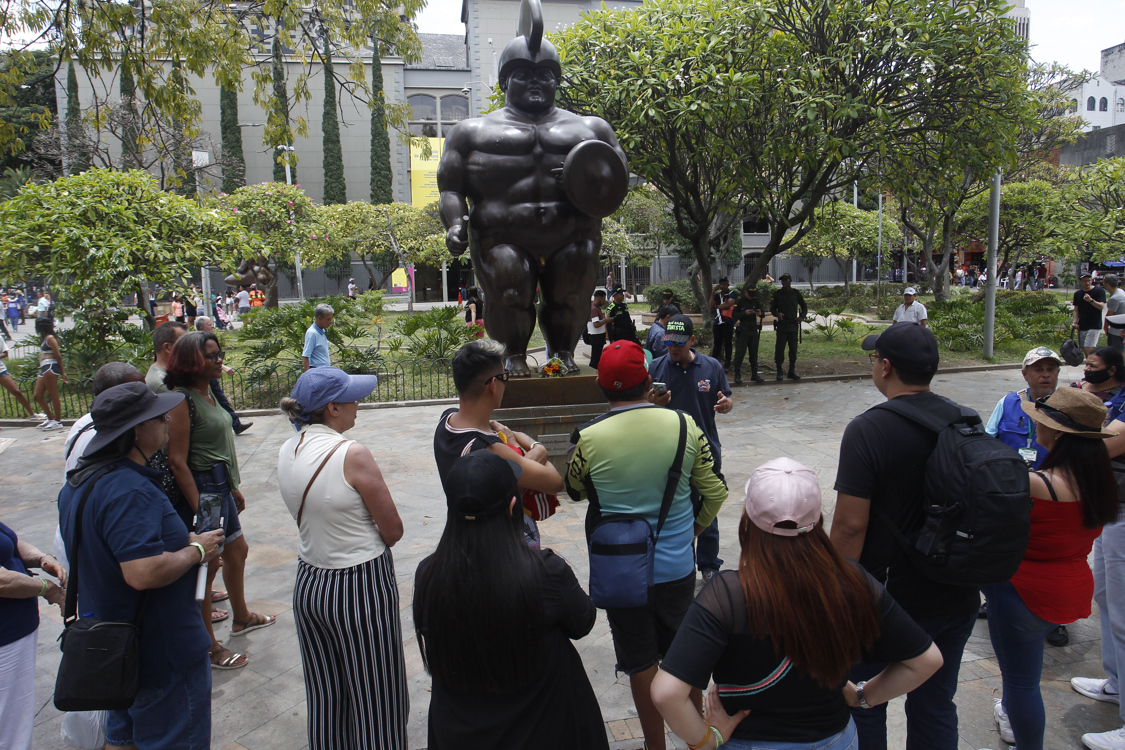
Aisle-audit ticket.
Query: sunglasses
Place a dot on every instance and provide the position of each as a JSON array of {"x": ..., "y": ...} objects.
[
  {"x": 216, "y": 357},
  {"x": 1061, "y": 417},
  {"x": 502, "y": 377}
]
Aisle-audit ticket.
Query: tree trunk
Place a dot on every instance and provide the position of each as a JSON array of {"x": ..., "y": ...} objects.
[
  {"x": 146, "y": 311},
  {"x": 703, "y": 287},
  {"x": 842, "y": 264}
]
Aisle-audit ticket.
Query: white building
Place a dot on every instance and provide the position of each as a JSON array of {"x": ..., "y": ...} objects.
[{"x": 1100, "y": 102}]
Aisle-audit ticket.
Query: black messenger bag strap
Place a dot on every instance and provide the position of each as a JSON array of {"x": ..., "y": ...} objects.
[
  {"x": 70, "y": 606},
  {"x": 674, "y": 474}
]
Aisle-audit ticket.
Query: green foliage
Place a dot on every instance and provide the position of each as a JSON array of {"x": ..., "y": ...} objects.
[
  {"x": 1037, "y": 318},
  {"x": 102, "y": 335},
  {"x": 382, "y": 179},
  {"x": 646, "y": 217},
  {"x": 282, "y": 216},
  {"x": 433, "y": 334},
  {"x": 1029, "y": 213},
  {"x": 845, "y": 233},
  {"x": 335, "y": 189},
  {"x": 278, "y": 117},
  {"x": 1092, "y": 222},
  {"x": 275, "y": 334},
  {"x": 13, "y": 180},
  {"x": 234, "y": 162},
  {"x": 31, "y": 107},
  {"x": 102, "y": 234},
  {"x": 79, "y": 161},
  {"x": 131, "y": 145},
  {"x": 684, "y": 296}
]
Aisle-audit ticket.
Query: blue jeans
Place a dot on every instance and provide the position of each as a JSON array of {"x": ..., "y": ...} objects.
[
  {"x": 173, "y": 716},
  {"x": 707, "y": 543},
  {"x": 1109, "y": 593},
  {"x": 931, "y": 716},
  {"x": 845, "y": 740},
  {"x": 1017, "y": 638}
]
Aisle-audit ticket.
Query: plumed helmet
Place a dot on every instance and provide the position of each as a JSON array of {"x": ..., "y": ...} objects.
[{"x": 529, "y": 48}]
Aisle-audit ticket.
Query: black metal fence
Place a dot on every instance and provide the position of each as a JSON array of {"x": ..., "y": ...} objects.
[{"x": 263, "y": 387}]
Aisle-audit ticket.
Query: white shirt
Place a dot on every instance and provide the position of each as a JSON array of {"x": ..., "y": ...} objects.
[
  {"x": 243, "y": 298},
  {"x": 76, "y": 442},
  {"x": 913, "y": 314},
  {"x": 337, "y": 530},
  {"x": 1115, "y": 305},
  {"x": 352, "y": 289},
  {"x": 44, "y": 304}
]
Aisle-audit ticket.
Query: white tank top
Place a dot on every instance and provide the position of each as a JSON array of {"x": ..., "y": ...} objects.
[{"x": 336, "y": 530}]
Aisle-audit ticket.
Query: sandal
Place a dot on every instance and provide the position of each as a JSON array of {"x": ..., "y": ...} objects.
[
  {"x": 218, "y": 595},
  {"x": 256, "y": 622},
  {"x": 234, "y": 661},
  {"x": 218, "y": 615}
]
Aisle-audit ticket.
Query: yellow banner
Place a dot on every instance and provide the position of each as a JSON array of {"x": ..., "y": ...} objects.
[{"x": 423, "y": 173}]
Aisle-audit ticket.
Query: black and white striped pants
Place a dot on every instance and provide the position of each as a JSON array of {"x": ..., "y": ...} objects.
[{"x": 351, "y": 649}]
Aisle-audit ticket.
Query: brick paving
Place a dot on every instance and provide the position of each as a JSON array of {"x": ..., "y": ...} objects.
[{"x": 263, "y": 705}]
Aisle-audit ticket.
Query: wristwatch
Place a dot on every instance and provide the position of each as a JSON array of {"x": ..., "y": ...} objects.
[{"x": 859, "y": 695}]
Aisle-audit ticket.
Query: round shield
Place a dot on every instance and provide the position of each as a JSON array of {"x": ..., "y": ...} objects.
[{"x": 595, "y": 178}]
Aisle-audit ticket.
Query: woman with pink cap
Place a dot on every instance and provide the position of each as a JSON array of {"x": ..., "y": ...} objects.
[{"x": 779, "y": 634}]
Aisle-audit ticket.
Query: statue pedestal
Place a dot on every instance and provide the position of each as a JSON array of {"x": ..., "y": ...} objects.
[{"x": 549, "y": 409}]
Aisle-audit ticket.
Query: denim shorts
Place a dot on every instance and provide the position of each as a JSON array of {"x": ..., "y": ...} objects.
[
  {"x": 845, "y": 740},
  {"x": 172, "y": 716},
  {"x": 642, "y": 635},
  {"x": 216, "y": 482}
]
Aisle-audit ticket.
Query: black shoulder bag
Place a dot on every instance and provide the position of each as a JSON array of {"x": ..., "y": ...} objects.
[{"x": 100, "y": 667}]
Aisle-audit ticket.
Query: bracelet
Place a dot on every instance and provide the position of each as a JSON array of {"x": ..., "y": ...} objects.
[
  {"x": 43, "y": 587},
  {"x": 533, "y": 444},
  {"x": 702, "y": 741},
  {"x": 718, "y": 737},
  {"x": 202, "y": 552}
]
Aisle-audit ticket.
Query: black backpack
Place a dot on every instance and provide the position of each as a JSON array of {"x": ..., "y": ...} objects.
[{"x": 976, "y": 502}]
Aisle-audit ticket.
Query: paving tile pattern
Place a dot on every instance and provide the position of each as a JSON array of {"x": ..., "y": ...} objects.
[{"x": 262, "y": 706}]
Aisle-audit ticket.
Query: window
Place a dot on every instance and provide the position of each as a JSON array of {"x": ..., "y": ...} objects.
[
  {"x": 1103, "y": 105},
  {"x": 755, "y": 225},
  {"x": 1073, "y": 106},
  {"x": 454, "y": 109},
  {"x": 1091, "y": 103},
  {"x": 1121, "y": 105},
  {"x": 423, "y": 108}
]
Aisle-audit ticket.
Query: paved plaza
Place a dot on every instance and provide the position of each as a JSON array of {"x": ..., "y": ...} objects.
[{"x": 262, "y": 707}]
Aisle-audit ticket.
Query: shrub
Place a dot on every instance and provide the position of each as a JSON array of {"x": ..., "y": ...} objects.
[
  {"x": 432, "y": 334},
  {"x": 681, "y": 288}
]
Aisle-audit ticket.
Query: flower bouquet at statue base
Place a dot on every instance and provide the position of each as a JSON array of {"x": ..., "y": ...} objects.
[{"x": 553, "y": 368}]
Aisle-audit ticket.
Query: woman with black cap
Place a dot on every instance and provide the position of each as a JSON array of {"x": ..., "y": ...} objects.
[
  {"x": 345, "y": 600},
  {"x": 495, "y": 619},
  {"x": 133, "y": 541}
]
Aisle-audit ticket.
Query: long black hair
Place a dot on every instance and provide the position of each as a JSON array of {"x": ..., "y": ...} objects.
[
  {"x": 1111, "y": 358},
  {"x": 1086, "y": 465},
  {"x": 478, "y": 605}
]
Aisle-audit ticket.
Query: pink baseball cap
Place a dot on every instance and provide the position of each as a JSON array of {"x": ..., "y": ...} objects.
[{"x": 783, "y": 491}]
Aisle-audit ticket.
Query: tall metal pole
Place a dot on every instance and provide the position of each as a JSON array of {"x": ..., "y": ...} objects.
[
  {"x": 855, "y": 204},
  {"x": 297, "y": 257},
  {"x": 879, "y": 283},
  {"x": 990, "y": 286}
]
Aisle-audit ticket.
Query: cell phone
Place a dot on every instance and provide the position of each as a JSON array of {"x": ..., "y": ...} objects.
[
  {"x": 659, "y": 389},
  {"x": 210, "y": 513}
]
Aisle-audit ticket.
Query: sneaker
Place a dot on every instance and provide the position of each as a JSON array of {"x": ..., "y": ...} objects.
[
  {"x": 1111, "y": 740},
  {"x": 52, "y": 425},
  {"x": 707, "y": 576},
  {"x": 1058, "y": 636},
  {"x": 43, "y": 425},
  {"x": 1092, "y": 687},
  {"x": 38, "y": 415},
  {"x": 1002, "y": 722}
]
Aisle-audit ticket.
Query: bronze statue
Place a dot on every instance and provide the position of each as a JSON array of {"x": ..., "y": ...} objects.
[
  {"x": 251, "y": 271},
  {"x": 539, "y": 180}
]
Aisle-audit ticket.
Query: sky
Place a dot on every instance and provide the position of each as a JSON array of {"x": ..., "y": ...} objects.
[{"x": 1072, "y": 32}]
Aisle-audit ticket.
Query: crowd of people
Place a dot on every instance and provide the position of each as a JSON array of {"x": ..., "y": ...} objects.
[{"x": 800, "y": 643}]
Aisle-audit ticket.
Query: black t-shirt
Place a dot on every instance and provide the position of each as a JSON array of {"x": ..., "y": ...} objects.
[
  {"x": 747, "y": 310},
  {"x": 557, "y": 711},
  {"x": 883, "y": 458},
  {"x": 721, "y": 298},
  {"x": 1089, "y": 317},
  {"x": 785, "y": 705},
  {"x": 450, "y": 443}
]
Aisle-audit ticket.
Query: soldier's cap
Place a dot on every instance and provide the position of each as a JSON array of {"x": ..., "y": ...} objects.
[
  {"x": 1040, "y": 353},
  {"x": 679, "y": 330},
  {"x": 623, "y": 366},
  {"x": 908, "y": 346},
  {"x": 724, "y": 279}
]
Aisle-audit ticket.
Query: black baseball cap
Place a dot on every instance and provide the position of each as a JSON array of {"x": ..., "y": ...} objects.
[
  {"x": 481, "y": 484},
  {"x": 679, "y": 330},
  {"x": 909, "y": 346},
  {"x": 784, "y": 276},
  {"x": 618, "y": 289}
]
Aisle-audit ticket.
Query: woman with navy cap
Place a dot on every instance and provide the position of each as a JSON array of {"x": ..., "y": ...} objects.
[{"x": 345, "y": 600}]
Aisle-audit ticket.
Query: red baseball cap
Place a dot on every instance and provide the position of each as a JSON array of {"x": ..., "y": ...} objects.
[{"x": 623, "y": 366}]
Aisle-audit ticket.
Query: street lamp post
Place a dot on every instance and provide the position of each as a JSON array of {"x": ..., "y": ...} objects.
[{"x": 297, "y": 256}]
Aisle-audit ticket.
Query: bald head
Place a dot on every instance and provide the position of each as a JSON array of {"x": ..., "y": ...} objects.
[{"x": 113, "y": 374}]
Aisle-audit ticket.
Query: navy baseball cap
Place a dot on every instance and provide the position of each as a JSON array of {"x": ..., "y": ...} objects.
[
  {"x": 679, "y": 330},
  {"x": 909, "y": 346},
  {"x": 320, "y": 386}
]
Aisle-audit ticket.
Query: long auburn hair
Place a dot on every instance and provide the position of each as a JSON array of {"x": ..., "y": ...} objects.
[
  {"x": 817, "y": 609},
  {"x": 478, "y": 605},
  {"x": 186, "y": 364}
]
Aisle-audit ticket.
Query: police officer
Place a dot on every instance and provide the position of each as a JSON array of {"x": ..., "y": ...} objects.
[
  {"x": 748, "y": 329},
  {"x": 789, "y": 308},
  {"x": 621, "y": 326},
  {"x": 722, "y": 308}
]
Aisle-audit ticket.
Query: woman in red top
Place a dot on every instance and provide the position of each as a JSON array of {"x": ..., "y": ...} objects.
[{"x": 1074, "y": 495}]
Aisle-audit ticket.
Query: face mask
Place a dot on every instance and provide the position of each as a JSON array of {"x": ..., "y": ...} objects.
[{"x": 1097, "y": 377}]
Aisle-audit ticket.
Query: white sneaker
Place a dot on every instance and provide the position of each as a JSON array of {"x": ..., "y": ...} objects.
[
  {"x": 43, "y": 425},
  {"x": 1002, "y": 722},
  {"x": 1111, "y": 740},
  {"x": 52, "y": 425},
  {"x": 1091, "y": 687},
  {"x": 38, "y": 415}
]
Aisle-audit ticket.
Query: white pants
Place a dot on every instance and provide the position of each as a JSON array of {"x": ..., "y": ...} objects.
[{"x": 17, "y": 692}]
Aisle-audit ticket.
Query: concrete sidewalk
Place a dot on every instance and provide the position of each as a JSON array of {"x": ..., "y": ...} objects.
[{"x": 263, "y": 706}]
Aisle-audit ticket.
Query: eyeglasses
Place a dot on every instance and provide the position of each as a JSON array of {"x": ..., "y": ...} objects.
[
  {"x": 502, "y": 377},
  {"x": 216, "y": 357},
  {"x": 873, "y": 356},
  {"x": 1062, "y": 417}
]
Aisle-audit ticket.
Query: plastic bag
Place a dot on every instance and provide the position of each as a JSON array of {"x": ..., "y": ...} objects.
[{"x": 84, "y": 729}]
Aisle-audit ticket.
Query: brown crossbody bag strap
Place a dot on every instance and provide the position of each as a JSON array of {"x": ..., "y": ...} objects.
[{"x": 301, "y": 510}]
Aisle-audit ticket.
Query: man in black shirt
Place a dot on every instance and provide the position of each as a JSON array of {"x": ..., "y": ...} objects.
[
  {"x": 748, "y": 322},
  {"x": 1089, "y": 302},
  {"x": 880, "y": 482},
  {"x": 722, "y": 309},
  {"x": 789, "y": 308}
]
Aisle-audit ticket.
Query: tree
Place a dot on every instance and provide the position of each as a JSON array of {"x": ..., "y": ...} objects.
[
  {"x": 278, "y": 117},
  {"x": 382, "y": 178},
  {"x": 646, "y": 219},
  {"x": 1091, "y": 224},
  {"x": 335, "y": 189},
  {"x": 383, "y": 236},
  {"x": 285, "y": 222},
  {"x": 844, "y": 233},
  {"x": 79, "y": 161},
  {"x": 1029, "y": 212},
  {"x": 31, "y": 109},
  {"x": 104, "y": 234},
  {"x": 234, "y": 172},
  {"x": 771, "y": 106},
  {"x": 128, "y": 117}
]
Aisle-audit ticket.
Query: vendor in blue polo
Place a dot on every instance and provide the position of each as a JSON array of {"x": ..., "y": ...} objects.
[
  {"x": 697, "y": 385},
  {"x": 1009, "y": 421}
]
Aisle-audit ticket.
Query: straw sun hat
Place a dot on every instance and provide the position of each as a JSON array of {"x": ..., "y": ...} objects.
[{"x": 1070, "y": 410}]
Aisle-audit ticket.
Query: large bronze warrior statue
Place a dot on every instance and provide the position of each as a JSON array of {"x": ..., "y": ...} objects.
[{"x": 538, "y": 180}]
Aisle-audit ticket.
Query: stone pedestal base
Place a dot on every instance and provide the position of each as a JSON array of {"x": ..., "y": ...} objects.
[{"x": 549, "y": 409}]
